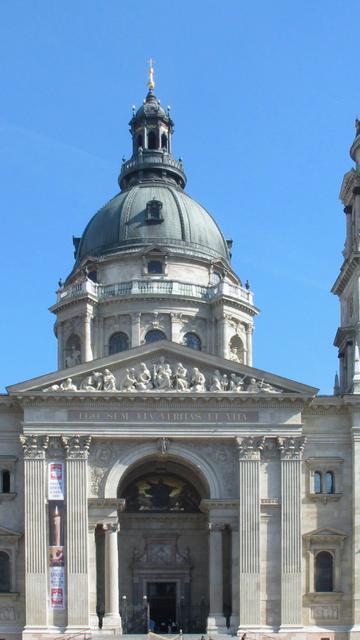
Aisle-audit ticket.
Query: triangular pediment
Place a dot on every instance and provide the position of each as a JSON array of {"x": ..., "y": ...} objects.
[
  {"x": 163, "y": 367},
  {"x": 325, "y": 532}
]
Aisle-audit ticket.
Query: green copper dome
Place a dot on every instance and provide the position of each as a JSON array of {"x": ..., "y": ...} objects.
[
  {"x": 146, "y": 214},
  {"x": 152, "y": 207}
]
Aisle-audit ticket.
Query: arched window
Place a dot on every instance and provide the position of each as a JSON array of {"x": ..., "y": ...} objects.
[
  {"x": 329, "y": 482},
  {"x": 5, "y": 477},
  {"x": 72, "y": 351},
  {"x": 118, "y": 342},
  {"x": 152, "y": 140},
  {"x": 139, "y": 141},
  {"x": 154, "y": 335},
  {"x": 193, "y": 341},
  {"x": 324, "y": 571},
  {"x": 4, "y": 572},
  {"x": 317, "y": 482},
  {"x": 164, "y": 142}
]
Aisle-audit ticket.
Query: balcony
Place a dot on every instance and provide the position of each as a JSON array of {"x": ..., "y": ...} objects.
[{"x": 152, "y": 288}]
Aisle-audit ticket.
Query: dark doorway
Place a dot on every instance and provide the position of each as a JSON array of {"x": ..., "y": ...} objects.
[{"x": 162, "y": 604}]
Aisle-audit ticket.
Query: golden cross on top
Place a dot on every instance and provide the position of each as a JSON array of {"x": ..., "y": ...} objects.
[{"x": 151, "y": 83}]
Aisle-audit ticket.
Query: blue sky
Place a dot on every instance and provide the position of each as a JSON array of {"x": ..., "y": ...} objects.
[{"x": 264, "y": 96}]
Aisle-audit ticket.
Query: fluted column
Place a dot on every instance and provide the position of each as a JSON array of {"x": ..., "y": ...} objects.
[
  {"x": 234, "y": 620},
  {"x": 112, "y": 616},
  {"x": 77, "y": 449},
  {"x": 216, "y": 619},
  {"x": 249, "y": 347},
  {"x": 36, "y": 543},
  {"x": 291, "y": 591},
  {"x": 135, "y": 329},
  {"x": 249, "y": 531}
]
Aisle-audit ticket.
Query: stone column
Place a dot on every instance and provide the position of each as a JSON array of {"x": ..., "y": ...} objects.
[
  {"x": 221, "y": 336},
  {"x": 61, "y": 345},
  {"x": 112, "y": 616},
  {"x": 216, "y": 620},
  {"x": 92, "y": 577},
  {"x": 77, "y": 449},
  {"x": 234, "y": 620},
  {"x": 36, "y": 542},
  {"x": 291, "y": 591},
  {"x": 249, "y": 531},
  {"x": 176, "y": 327},
  {"x": 135, "y": 329},
  {"x": 249, "y": 348},
  {"x": 87, "y": 350}
]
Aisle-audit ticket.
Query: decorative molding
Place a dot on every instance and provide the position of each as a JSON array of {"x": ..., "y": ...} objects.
[
  {"x": 291, "y": 448},
  {"x": 34, "y": 447},
  {"x": 163, "y": 445},
  {"x": 76, "y": 447}
]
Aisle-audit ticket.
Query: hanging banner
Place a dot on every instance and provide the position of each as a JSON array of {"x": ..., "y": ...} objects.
[
  {"x": 56, "y": 481},
  {"x": 57, "y": 587}
]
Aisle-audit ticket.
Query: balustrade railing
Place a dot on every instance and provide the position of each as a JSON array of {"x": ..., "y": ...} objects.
[{"x": 153, "y": 288}]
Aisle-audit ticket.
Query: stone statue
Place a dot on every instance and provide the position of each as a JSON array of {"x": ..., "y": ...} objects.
[
  {"x": 197, "y": 380},
  {"x": 215, "y": 381},
  {"x": 224, "y": 382},
  {"x": 236, "y": 383},
  {"x": 68, "y": 385},
  {"x": 268, "y": 388},
  {"x": 254, "y": 386},
  {"x": 143, "y": 382},
  {"x": 130, "y": 381},
  {"x": 180, "y": 378},
  {"x": 73, "y": 358},
  {"x": 109, "y": 381},
  {"x": 162, "y": 375},
  {"x": 93, "y": 382}
]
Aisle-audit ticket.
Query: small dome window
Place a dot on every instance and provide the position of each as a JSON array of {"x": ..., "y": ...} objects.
[
  {"x": 164, "y": 142},
  {"x": 154, "y": 335},
  {"x": 154, "y": 211},
  {"x": 329, "y": 482},
  {"x": 152, "y": 140},
  {"x": 317, "y": 482},
  {"x": 119, "y": 341},
  {"x": 193, "y": 341},
  {"x": 155, "y": 267}
]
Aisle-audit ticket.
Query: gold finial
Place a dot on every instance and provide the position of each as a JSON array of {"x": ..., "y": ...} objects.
[{"x": 151, "y": 83}]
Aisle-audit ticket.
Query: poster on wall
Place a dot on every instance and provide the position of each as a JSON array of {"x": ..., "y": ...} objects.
[
  {"x": 56, "y": 481},
  {"x": 57, "y": 587}
]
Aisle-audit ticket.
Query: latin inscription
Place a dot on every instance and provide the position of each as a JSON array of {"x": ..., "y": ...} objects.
[{"x": 175, "y": 417}]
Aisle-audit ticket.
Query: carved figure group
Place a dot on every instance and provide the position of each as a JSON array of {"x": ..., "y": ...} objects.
[{"x": 163, "y": 377}]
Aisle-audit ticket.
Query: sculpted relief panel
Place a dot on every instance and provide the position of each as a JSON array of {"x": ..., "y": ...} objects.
[{"x": 162, "y": 376}]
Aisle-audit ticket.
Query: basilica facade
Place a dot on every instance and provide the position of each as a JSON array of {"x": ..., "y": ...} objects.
[{"x": 157, "y": 480}]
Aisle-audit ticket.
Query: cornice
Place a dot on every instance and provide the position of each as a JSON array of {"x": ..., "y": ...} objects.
[{"x": 346, "y": 271}]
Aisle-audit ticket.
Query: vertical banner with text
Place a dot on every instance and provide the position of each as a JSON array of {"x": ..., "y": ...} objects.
[{"x": 56, "y": 534}]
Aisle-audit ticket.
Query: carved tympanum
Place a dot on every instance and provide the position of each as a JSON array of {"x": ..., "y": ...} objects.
[{"x": 161, "y": 376}]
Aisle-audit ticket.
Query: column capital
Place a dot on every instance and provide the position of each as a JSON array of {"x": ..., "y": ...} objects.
[
  {"x": 111, "y": 527},
  {"x": 291, "y": 448},
  {"x": 135, "y": 316},
  {"x": 249, "y": 447},
  {"x": 76, "y": 447},
  {"x": 34, "y": 446}
]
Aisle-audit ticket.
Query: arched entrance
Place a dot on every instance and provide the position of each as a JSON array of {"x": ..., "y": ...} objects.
[{"x": 163, "y": 547}]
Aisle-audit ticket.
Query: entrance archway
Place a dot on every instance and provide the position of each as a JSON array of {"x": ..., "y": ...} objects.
[{"x": 163, "y": 547}]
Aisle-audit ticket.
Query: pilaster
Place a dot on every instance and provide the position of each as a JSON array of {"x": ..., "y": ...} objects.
[
  {"x": 77, "y": 449},
  {"x": 291, "y": 450},
  {"x": 355, "y": 560},
  {"x": 87, "y": 320},
  {"x": 249, "y": 532},
  {"x": 36, "y": 587}
]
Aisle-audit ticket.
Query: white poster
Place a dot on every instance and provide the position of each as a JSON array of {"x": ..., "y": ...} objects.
[
  {"x": 56, "y": 481},
  {"x": 57, "y": 587}
]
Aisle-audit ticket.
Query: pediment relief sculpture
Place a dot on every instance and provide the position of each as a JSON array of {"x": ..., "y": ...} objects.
[{"x": 163, "y": 376}]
